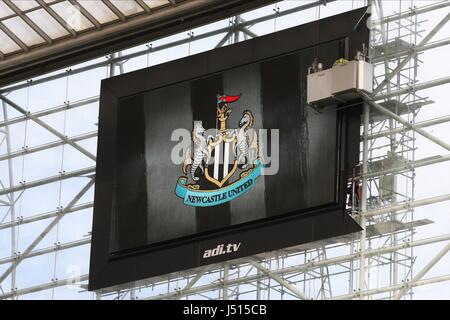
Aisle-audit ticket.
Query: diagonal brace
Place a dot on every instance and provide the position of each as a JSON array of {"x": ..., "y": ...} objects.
[
  {"x": 280, "y": 280},
  {"x": 404, "y": 62},
  {"x": 192, "y": 282},
  {"x": 408, "y": 125},
  {"x": 422, "y": 272},
  {"x": 46, "y": 231},
  {"x": 47, "y": 127}
]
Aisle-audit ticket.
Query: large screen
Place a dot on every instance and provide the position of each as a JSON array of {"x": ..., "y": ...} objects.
[{"x": 218, "y": 156}]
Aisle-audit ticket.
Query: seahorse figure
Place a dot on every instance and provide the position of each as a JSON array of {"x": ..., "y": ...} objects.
[
  {"x": 247, "y": 139},
  {"x": 200, "y": 151}
]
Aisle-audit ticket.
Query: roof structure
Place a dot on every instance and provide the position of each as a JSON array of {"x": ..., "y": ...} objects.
[
  {"x": 26, "y": 25},
  {"x": 38, "y": 36}
]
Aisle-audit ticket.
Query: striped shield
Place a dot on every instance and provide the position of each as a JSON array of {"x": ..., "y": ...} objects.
[{"x": 223, "y": 162}]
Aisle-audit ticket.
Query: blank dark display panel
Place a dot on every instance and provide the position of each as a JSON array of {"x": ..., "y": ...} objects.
[{"x": 152, "y": 218}]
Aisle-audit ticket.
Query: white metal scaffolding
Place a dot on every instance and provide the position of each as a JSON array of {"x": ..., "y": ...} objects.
[{"x": 381, "y": 262}]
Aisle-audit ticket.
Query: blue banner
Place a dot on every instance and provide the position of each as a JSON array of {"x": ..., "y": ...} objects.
[{"x": 207, "y": 198}]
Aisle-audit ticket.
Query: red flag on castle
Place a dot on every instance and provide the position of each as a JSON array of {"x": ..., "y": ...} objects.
[
  {"x": 223, "y": 111},
  {"x": 226, "y": 99}
]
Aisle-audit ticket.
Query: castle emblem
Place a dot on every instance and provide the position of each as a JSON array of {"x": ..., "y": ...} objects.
[{"x": 223, "y": 166}]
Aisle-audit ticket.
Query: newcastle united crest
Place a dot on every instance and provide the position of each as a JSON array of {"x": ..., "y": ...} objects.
[{"x": 223, "y": 166}]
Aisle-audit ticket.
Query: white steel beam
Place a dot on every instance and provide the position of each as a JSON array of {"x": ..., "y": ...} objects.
[
  {"x": 363, "y": 205},
  {"x": 287, "y": 12},
  {"x": 422, "y": 272},
  {"x": 408, "y": 205},
  {"x": 47, "y": 127},
  {"x": 412, "y": 12},
  {"x": 414, "y": 88},
  {"x": 422, "y": 124},
  {"x": 225, "y": 38},
  {"x": 11, "y": 196},
  {"x": 43, "y": 251},
  {"x": 46, "y": 215},
  {"x": 42, "y": 235},
  {"x": 413, "y": 50},
  {"x": 46, "y": 286},
  {"x": 226, "y": 275},
  {"x": 192, "y": 282},
  {"x": 280, "y": 280},
  {"x": 47, "y": 146},
  {"x": 37, "y": 183},
  {"x": 410, "y": 165},
  {"x": 186, "y": 289},
  {"x": 250, "y": 33},
  {"x": 405, "y": 61},
  {"x": 372, "y": 292},
  {"x": 46, "y": 112},
  {"x": 406, "y": 123}
]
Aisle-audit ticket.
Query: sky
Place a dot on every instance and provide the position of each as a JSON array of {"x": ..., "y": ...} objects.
[{"x": 429, "y": 181}]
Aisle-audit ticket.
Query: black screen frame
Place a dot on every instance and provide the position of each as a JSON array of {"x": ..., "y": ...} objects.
[{"x": 114, "y": 270}]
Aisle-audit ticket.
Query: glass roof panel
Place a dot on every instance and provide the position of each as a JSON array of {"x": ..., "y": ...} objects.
[
  {"x": 72, "y": 15},
  {"x": 99, "y": 10},
  {"x": 25, "y": 4},
  {"x": 23, "y": 31},
  {"x": 5, "y": 10},
  {"x": 156, "y": 3},
  {"x": 6, "y": 44},
  {"x": 47, "y": 23},
  {"x": 127, "y": 7}
]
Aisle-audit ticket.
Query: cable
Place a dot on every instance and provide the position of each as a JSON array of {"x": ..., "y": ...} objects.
[
  {"x": 24, "y": 147},
  {"x": 149, "y": 46},
  {"x": 276, "y": 9},
  {"x": 60, "y": 185},
  {"x": 191, "y": 36}
]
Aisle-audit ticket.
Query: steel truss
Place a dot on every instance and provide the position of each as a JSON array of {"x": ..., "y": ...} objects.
[{"x": 340, "y": 268}]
